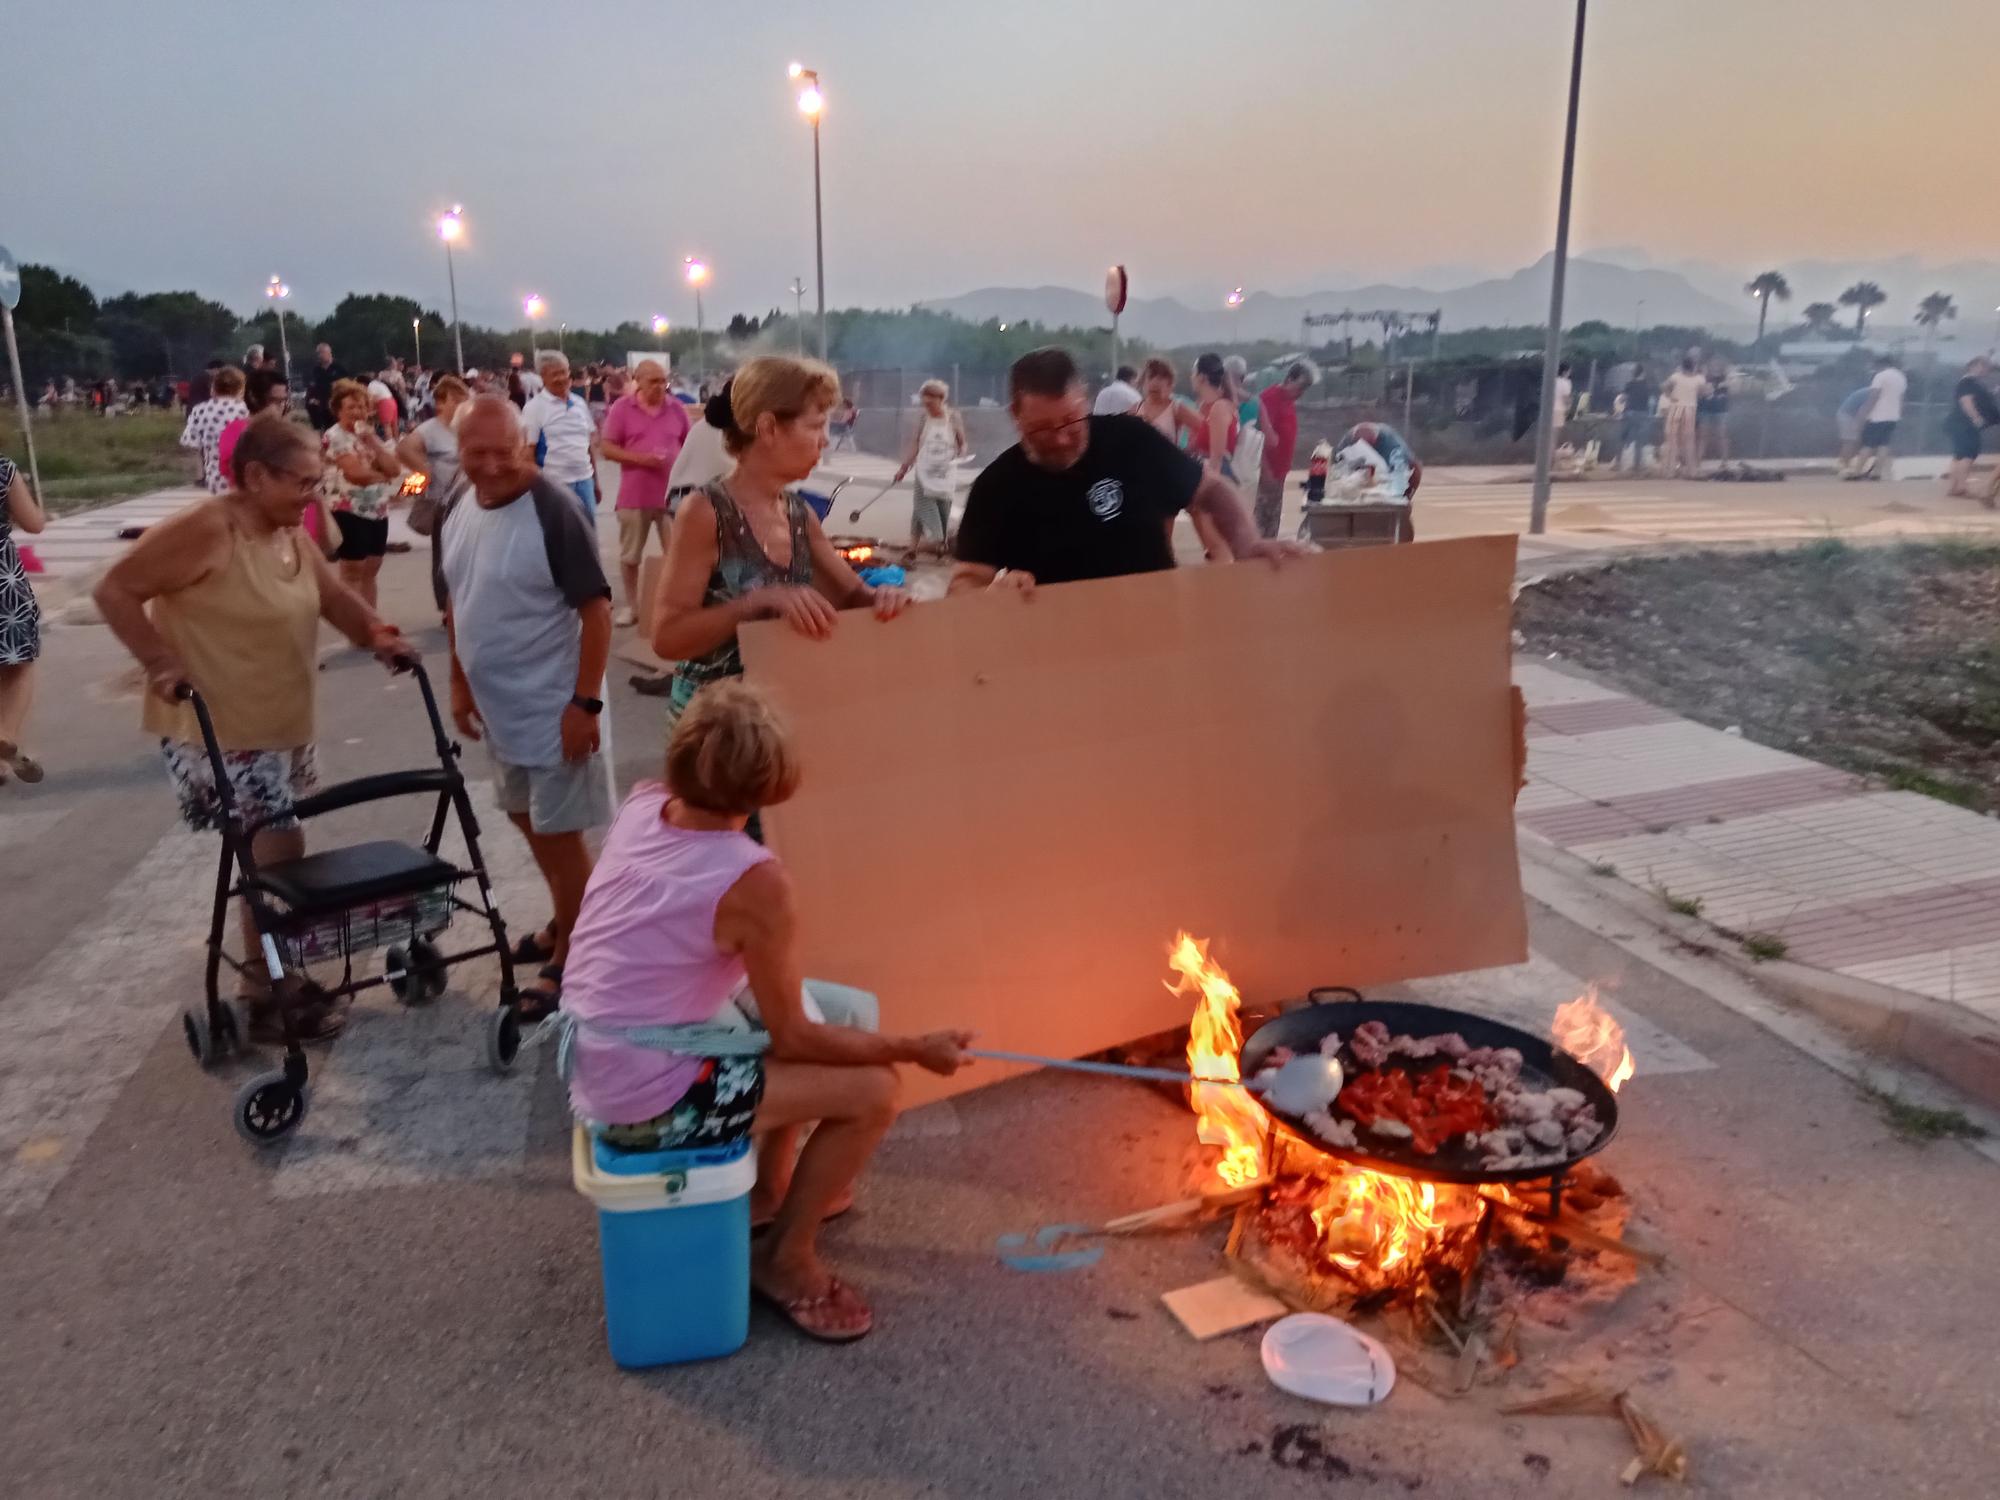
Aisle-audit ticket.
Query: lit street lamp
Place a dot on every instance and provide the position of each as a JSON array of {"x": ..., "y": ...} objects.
[
  {"x": 798, "y": 291},
  {"x": 697, "y": 273},
  {"x": 660, "y": 331},
  {"x": 450, "y": 226},
  {"x": 277, "y": 291},
  {"x": 1234, "y": 299},
  {"x": 812, "y": 103},
  {"x": 534, "y": 307},
  {"x": 417, "y": 333}
]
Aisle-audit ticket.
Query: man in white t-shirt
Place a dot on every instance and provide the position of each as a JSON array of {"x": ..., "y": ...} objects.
[
  {"x": 560, "y": 432},
  {"x": 1120, "y": 396},
  {"x": 1878, "y": 420}
]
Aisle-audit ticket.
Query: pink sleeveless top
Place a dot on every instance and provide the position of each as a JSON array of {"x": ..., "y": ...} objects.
[{"x": 644, "y": 954}]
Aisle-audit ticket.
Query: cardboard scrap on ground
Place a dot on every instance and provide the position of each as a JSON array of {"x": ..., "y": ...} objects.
[
  {"x": 1010, "y": 808},
  {"x": 1222, "y": 1305}
]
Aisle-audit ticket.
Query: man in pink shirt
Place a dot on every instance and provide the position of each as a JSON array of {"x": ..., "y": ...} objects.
[
  {"x": 643, "y": 433},
  {"x": 1280, "y": 405}
]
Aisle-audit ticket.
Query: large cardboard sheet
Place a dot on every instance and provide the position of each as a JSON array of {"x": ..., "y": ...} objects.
[{"x": 1011, "y": 807}]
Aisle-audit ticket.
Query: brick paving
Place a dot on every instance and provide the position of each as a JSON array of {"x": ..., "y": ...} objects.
[{"x": 1892, "y": 887}]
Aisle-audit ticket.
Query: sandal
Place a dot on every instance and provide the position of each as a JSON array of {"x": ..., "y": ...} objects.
[
  {"x": 535, "y": 948},
  {"x": 23, "y": 765},
  {"x": 812, "y": 1315},
  {"x": 538, "y": 1002}
]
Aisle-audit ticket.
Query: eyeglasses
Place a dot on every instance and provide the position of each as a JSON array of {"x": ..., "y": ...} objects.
[{"x": 1054, "y": 429}]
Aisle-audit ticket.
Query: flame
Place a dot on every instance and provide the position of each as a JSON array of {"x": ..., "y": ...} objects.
[
  {"x": 414, "y": 484},
  {"x": 1371, "y": 1223},
  {"x": 1224, "y": 1116},
  {"x": 1589, "y": 1032},
  {"x": 858, "y": 553}
]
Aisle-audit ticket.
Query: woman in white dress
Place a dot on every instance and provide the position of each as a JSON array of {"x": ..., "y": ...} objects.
[{"x": 933, "y": 452}]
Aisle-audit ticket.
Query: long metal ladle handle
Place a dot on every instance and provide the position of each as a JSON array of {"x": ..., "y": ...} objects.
[{"x": 1113, "y": 1070}]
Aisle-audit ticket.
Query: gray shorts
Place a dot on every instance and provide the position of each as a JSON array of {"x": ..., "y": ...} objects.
[{"x": 568, "y": 798}]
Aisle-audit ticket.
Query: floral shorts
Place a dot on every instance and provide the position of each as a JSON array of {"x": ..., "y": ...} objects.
[
  {"x": 715, "y": 1111},
  {"x": 265, "y": 784}
]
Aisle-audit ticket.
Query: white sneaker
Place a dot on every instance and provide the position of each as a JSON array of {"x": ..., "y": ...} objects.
[{"x": 625, "y": 617}]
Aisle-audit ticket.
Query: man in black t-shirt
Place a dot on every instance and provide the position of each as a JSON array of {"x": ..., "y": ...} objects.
[
  {"x": 1973, "y": 410},
  {"x": 1082, "y": 496}
]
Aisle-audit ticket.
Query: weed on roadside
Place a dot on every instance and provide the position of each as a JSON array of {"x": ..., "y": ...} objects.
[
  {"x": 1762, "y": 947},
  {"x": 1681, "y": 906},
  {"x": 1923, "y": 1123},
  {"x": 1603, "y": 867}
]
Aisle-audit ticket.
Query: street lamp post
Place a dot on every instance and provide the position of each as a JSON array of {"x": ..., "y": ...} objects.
[
  {"x": 1545, "y": 437},
  {"x": 449, "y": 226},
  {"x": 278, "y": 291},
  {"x": 417, "y": 335},
  {"x": 561, "y": 329},
  {"x": 534, "y": 307},
  {"x": 660, "y": 332},
  {"x": 812, "y": 103},
  {"x": 697, "y": 273},
  {"x": 798, "y": 291}
]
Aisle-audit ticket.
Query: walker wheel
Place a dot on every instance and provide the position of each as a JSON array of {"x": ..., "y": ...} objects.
[
  {"x": 503, "y": 1040},
  {"x": 268, "y": 1108},
  {"x": 404, "y": 982},
  {"x": 201, "y": 1038},
  {"x": 429, "y": 965}
]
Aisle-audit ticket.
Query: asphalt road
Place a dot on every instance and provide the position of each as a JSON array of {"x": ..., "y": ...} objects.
[{"x": 404, "y": 1300}]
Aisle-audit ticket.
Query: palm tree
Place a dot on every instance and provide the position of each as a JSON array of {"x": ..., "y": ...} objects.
[
  {"x": 1819, "y": 317},
  {"x": 1764, "y": 287},
  {"x": 1935, "y": 309},
  {"x": 1862, "y": 296}
]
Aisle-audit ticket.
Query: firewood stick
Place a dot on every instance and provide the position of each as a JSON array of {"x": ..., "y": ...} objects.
[
  {"x": 1575, "y": 1229},
  {"x": 1166, "y": 1213}
]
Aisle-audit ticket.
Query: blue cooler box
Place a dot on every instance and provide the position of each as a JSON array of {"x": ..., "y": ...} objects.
[{"x": 673, "y": 1229}]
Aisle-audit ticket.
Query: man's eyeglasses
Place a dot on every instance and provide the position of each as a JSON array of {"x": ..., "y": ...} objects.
[{"x": 1052, "y": 430}]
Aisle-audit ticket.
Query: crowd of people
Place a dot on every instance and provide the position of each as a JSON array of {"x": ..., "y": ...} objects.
[
  {"x": 683, "y": 918},
  {"x": 684, "y": 914}
]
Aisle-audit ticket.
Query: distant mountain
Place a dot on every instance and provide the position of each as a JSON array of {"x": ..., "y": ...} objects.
[{"x": 1594, "y": 289}]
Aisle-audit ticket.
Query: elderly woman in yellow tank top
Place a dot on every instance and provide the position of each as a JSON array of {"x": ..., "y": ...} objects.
[{"x": 227, "y": 595}]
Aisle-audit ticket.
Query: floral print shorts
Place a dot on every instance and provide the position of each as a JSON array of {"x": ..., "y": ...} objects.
[
  {"x": 715, "y": 1111},
  {"x": 265, "y": 784}
]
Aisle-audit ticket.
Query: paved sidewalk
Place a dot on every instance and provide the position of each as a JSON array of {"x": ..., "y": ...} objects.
[{"x": 1891, "y": 887}]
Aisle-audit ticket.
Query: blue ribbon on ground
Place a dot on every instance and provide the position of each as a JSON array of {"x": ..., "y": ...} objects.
[{"x": 1014, "y": 1253}]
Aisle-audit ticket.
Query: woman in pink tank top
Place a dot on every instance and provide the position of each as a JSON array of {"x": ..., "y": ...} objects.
[{"x": 682, "y": 908}]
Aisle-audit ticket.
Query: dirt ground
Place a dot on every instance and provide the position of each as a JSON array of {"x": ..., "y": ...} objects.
[{"x": 1884, "y": 661}]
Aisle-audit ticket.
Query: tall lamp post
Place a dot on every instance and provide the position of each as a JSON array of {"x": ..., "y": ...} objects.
[
  {"x": 450, "y": 226},
  {"x": 534, "y": 307},
  {"x": 1545, "y": 436},
  {"x": 278, "y": 291},
  {"x": 812, "y": 103},
  {"x": 417, "y": 336},
  {"x": 798, "y": 291},
  {"x": 697, "y": 274}
]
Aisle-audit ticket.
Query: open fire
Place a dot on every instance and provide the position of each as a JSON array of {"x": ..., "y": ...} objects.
[{"x": 1371, "y": 1232}]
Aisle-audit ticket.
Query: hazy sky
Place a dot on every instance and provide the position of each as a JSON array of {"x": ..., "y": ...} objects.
[{"x": 1284, "y": 145}]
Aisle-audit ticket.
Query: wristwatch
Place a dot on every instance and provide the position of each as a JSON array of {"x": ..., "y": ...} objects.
[{"x": 588, "y": 705}]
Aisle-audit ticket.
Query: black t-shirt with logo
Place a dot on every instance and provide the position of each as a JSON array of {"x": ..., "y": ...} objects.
[
  {"x": 1108, "y": 514},
  {"x": 1982, "y": 400}
]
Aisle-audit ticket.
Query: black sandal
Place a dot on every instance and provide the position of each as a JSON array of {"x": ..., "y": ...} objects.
[
  {"x": 539, "y": 1001},
  {"x": 531, "y": 949}
]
